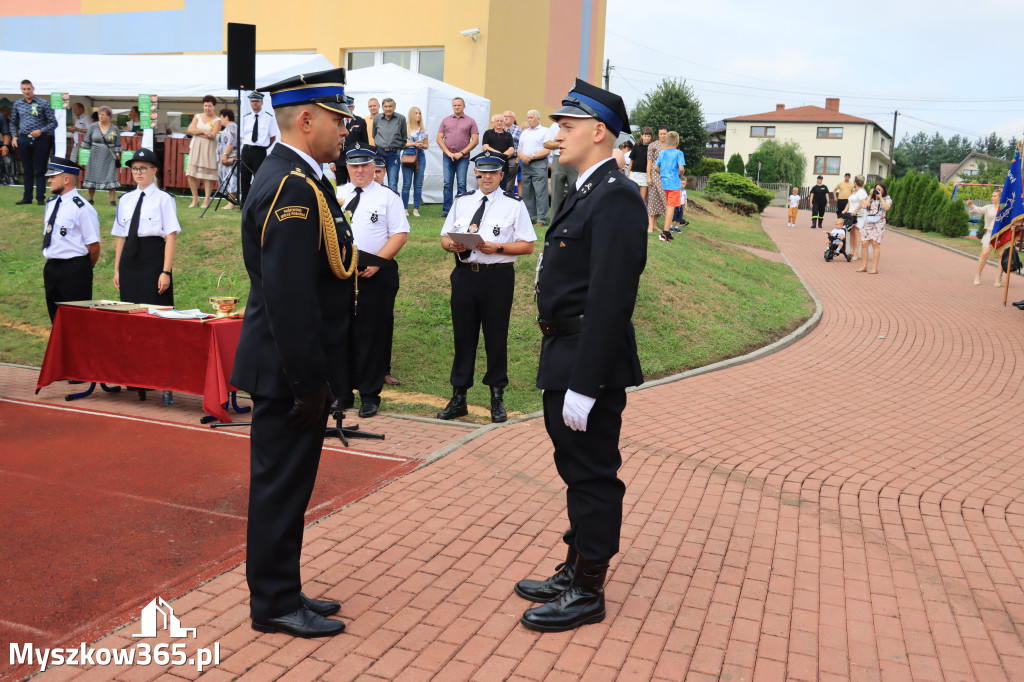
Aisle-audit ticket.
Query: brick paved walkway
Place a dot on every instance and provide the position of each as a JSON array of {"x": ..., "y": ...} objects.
[{"x": 848, "y": 508}]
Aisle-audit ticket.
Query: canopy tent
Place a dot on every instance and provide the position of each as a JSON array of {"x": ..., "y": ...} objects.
[{"x": 172, "y": 77}]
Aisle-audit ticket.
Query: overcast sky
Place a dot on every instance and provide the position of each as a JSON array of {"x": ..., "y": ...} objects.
[{"x": 938, "y": 63}]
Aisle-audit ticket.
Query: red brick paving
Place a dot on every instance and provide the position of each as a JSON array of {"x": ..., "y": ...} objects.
[{"x": 851, "y": 507}]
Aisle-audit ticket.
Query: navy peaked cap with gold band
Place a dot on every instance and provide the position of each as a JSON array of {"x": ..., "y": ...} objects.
[
  {"x": 143, "y": 156},
  {"x": 60, "y": 165},
  {"x": 325, "y": 88},
  {"x": 589, "y": 101},
  {"x": 359, "y": 153},
  {"x": 489, "y": 160}
]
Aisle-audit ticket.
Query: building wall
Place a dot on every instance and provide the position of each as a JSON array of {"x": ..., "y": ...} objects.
[
  {"x": 858, "y": 150},
  {"x": 563, "y": 38}
]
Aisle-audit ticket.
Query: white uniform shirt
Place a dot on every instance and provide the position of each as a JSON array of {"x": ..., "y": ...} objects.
[
  {"x": 83, "y": 122},
  {"x": 75, "y": 227},
  {"x": 158, "y": 218},
  {"x": 379, "y": 216},
  {"x": 532, "y": 140},
  {"x": 505, "y": 220},
  {"x": 268, "y": 128}
]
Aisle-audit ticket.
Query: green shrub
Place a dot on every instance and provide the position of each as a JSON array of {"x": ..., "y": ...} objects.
[
  {"x": 917, "y": 197},
  {"x": 930, "y": 213},
  {"x": 735, "y": 164},
  {"x": 732, "y": 203},
  {"x": 706, "y": 167},
  {"x": 955, "y": 222},
  {"x": 741, "y": 188},
  {"x": 893, "y": 217}
]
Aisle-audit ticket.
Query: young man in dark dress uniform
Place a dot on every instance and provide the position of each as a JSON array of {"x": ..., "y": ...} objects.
[
  {"x": 819, "y": 203},
  {"x": 292, "y": 352},
  {"x": 594, "y": 253}
]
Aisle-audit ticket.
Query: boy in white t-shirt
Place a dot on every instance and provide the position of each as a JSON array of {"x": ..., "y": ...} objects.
[{"x": 794, "y": 203}]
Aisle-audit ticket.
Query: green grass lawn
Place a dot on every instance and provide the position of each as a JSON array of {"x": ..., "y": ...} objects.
[{"x": 702, "y": 298}]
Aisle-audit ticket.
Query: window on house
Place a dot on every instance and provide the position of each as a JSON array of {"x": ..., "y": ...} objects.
[
  {"x": 831, "y": 133},
  {"x": 432, "y": 63},
  {"x": 826, "y": 165},
  {"x": 967, "y": 172},
  {"x": 402, "y": 58},
  {"x": 762, "y": 131},
  {"x": 361, "y": 60}
]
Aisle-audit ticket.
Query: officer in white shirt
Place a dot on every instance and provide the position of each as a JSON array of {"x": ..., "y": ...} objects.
[
  {"x": 259, "y": 131},
  {"x": 379, "y": 230},
  {"x": 71, "y": 238},
  {"x": 146, "y": 226},
  {"x": 483, "y": 280}
]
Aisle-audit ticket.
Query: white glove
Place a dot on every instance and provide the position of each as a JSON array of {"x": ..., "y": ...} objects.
[{"x": 576, "y": 409}]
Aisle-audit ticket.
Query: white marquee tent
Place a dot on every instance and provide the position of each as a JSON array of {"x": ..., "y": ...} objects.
[{"x": 181, "y": 80}]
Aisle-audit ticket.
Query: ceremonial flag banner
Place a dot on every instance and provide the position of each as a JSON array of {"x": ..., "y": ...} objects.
[{"x": 1010, "y": 216}]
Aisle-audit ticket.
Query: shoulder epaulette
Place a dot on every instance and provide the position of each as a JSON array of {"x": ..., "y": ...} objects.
[
  {"x": 465, "y": 194},
  {"x": 512, "y": 195},
  {"x": 393, "y": 190},
  {"x": 79, "y": 202},
  {"x": 51, "y": 198}
]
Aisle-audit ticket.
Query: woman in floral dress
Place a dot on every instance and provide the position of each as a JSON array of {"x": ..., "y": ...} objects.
[{"x": 655, "y": 194}]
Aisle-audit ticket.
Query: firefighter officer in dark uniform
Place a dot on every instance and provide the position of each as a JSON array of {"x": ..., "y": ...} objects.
[
  {"x": 71, "y": 238},
  {"x": 380, "y": 229},
  {"x": 594, "y": 252},
  {"x": 483, "y": 280},
  {"x": 291, "y": 356}
]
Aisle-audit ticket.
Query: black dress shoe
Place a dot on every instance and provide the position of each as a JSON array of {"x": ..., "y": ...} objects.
[
  {"x": 300, "y": 623},
  {"x": 319, "y": 606},
  {"x": 41, "y": 202},
  {"x": 368, "y": 409},
  {"x": 581, "y": 604},
  {"x": 543, "y": 591},
  {"x": 1018, "y": 303},
  {"x": 22, "y": 202},
  {"x": 498, "y": 413},
  {"x": 456, "y": 407}
]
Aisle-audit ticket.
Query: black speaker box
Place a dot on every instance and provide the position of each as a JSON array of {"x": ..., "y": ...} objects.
[{"x": 241, "y": 57}]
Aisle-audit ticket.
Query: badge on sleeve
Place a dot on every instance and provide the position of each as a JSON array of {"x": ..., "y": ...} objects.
[{"x": 289, "y": 212}]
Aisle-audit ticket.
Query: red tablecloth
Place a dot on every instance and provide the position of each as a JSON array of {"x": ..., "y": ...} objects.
[{"x": 139, "y": 349}]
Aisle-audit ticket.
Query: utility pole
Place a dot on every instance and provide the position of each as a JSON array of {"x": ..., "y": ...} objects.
[
  {"x": 892, "y": 146},
  {"x": 607, "y": 73}
]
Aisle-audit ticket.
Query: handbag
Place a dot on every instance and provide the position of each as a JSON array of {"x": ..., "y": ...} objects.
[
  {"x": 1015, "y": 264},
  {"x": 410, "y": 158}
]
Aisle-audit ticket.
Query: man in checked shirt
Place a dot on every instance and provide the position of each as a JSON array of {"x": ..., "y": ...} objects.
[{"x": 32, "y": 126}]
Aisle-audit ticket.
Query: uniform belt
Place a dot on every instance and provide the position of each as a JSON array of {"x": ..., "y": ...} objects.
[
  {"x": 477, "y": 267},
  {"x": 569, "y": 325}
]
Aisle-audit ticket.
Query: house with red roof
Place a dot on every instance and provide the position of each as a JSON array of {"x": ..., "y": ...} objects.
[{"x": 833, "y": 143}]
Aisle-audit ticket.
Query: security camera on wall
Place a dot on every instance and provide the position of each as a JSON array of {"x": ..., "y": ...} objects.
[{"x": 471, "y": 33}]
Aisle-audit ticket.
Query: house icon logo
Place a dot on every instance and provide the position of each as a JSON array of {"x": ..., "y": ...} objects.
[{"x": 170, "y": 621}]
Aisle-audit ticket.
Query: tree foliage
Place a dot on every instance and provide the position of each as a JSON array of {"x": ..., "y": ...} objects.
[
  {"x": 735, "y": 164},
  {"x": 741, "y": 188},
  {"x": 780, "y": 162},
  {"x": 706, "y": 167},
  {"x": 923, "y": 154},
  {"x": 674, "y": 104}
]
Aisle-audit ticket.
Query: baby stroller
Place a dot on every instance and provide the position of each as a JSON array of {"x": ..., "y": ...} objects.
[{"x": 837, "y": 238}]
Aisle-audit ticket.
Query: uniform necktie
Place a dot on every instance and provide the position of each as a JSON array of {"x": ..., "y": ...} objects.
[
  {"x": 255, "y": 128},
  {"x": 131, "y": 244},
  {"x": 479, "y": 215},
  {"x": 49, "y": 224},
  {"x": 351, "y": 208}
]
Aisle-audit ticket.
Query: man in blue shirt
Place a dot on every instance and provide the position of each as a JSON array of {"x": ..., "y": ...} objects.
[{"x": 32, "y": 126}]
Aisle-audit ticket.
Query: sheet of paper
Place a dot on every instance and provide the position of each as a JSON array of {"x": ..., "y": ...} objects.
[
  {"x": 193, "y": 314},
  {"x": 466, "y": 238}
]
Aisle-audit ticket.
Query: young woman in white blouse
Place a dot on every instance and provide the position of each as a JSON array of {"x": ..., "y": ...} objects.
[{"x": 146, "y": 226}]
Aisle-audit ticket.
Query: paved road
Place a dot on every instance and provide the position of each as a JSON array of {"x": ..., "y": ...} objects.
[{"x": 850, "y": 507}]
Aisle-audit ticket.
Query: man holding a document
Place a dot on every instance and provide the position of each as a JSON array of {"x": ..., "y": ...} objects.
[
  {"x": 485, "y": 230},
  {"x": 379, "y": 229}
]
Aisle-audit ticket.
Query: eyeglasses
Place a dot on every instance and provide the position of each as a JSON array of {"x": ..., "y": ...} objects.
[{"x": 142, "y": 169}]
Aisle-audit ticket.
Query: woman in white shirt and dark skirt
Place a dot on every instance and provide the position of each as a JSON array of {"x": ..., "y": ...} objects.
[{"x": 146, "y": 225}]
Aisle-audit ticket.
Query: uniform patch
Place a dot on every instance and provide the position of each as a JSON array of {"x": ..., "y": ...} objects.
[
  {"x": 79, "y": 202},
  {"x": 561, "y": 245},
  {"x": 513, "y": 196},
  {"x": 289, "y": 212},
  {"x": 374, "y": 217},
  {"x": 496, "y": 230},
  {"x": 63, "y": 232}
]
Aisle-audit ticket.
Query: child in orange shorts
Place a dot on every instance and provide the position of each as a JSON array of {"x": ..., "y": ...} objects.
[{"x": 671, "y": 166}]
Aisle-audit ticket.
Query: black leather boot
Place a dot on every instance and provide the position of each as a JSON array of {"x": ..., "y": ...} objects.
[
  {"x": 456, "y": 407},
  {"x": 498, "y": 413},
  {"x": 543, "y": 591},
  {"x": 581, "y": 604}
]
